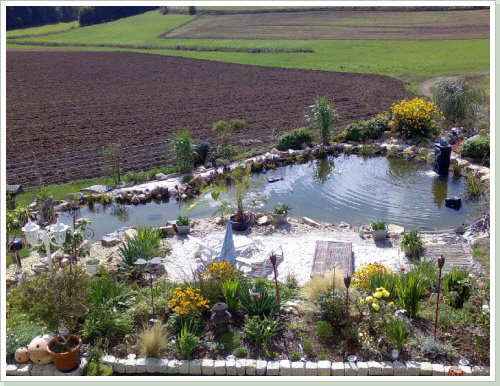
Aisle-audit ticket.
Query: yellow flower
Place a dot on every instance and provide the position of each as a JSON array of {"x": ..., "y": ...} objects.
[
  {"x": 369, "y": 299},
  {"x": 377, "y": 294},
  {"x": 385, "y": 293},
  {"x": 361, "y": 301},
  {"x": 391, "y": 304},
  {"x": 375, "y": 306}
]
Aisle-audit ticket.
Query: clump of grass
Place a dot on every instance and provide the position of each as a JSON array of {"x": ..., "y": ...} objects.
[
  {"x": 152, "y": 340},
  {"x": 322, "y": 283},
  {"x": 456, "y": 169},
  {"x": 475, "y": 187}
]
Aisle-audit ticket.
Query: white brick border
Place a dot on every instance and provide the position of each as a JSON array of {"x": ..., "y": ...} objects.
[{"x": 252, "y": 367}]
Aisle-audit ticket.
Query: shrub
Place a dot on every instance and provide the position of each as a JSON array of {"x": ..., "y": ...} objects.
[
  {"x": 201, "y": 151},
  {"x": 412, "y": 243},
  {"x": 331, "y": 306},
  {"x": 307, "y": 346},
  {"x": 458, "y": 287},
  {"x": 187, "y": 342},
  {"x": 184, "y": 150},
  {"x": 382, "y": 279},
  {"x": 151, "y": 340},
  {"x": 238, "y": 124},
  {"x": 427, "y": 270},
  {"x": 379, "y": 226},
  {"x": 365, "y": 130},
  {"x": 323, "y": 117},
  {"x": 324, "y": 330},
  {"x": 64, "y": 300},
  {"x": 295, "y": 357},
  {"x": 458, "y": 100},
  {"x": 295, "y": 139},
  {"x": 229, "y": 340},
  {"x": 257, "y": 300},
  {"x": 187, "y": 301},
  {"x": 194, "y": 323},
  {"x": 113, "y": 161},
  {"x": 323, "y": 283},
  {"x": 240, "y": 352},
  {"x": 107, "y": 323},
  {"x": 362, "y": 275},
  {"x": 261, "y": 330},
  {"x": 478, "y": 148},
  {"x": 410, "y": 288},
  {"x": 144, "y": 245},
  {"x": 416, "y": 118},
  {"x": 97, "y": 369},
  {"x": 397, "y": 329},
  {"x": 21, "y": 331},
  {"x": 475, "y": 187},
  {"x": 105, "y": 290},
  {"x": 230, "y": 290},
  {"x": 432, "y": 348},
  {"x": 221, "y": 270}
]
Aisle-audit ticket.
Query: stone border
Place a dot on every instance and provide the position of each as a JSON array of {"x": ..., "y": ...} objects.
[{"x": 252, "y": 367}]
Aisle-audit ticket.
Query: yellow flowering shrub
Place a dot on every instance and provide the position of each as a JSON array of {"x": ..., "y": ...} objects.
[
  {"x": 187, "y": 300},
  {"x": 220, "y": 270},
  {"x": 416, "y": 118},
  {"x": 363, "y": 273}
]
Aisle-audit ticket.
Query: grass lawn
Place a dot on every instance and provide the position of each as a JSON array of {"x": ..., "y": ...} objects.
[
  {"x": 44, "y": 29},
  {"x": 59, "y": 192},
  {"x": 481, "y": 249}
]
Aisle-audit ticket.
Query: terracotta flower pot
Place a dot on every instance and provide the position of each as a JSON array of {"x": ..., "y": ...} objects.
[{"x": 67, "y": 360}]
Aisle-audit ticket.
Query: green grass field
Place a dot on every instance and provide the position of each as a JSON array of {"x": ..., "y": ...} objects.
[
  {"x": 410, "y": 61},
  {"x": 45, "y": 29}
]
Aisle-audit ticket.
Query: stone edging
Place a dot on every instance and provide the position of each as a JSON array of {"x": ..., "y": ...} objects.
[{"x": 251, "y": 367}]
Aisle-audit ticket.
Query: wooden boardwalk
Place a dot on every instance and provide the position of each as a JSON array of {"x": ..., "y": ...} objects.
[
  {"x": 456, "y": 255},
  {"x": 332, "y": 253}
]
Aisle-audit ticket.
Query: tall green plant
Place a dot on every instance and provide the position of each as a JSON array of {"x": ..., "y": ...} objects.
[
  {"x": 145, "y": 245},
  {"x": 397, "y": 329},
  {"x": 184, "y": 148},
  {"x": 230, "y": 290},
  {"x": 113, "y": 161},
  {"x": 257, "y": 300},
  {"x": 409, "y": 289},
  {"x": 458, "y": 287},
  {"x": 323, "y": 117},
  {"x": 458, "y": 100}
]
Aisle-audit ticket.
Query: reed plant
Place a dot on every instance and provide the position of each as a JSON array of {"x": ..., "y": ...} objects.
[{"x": 152, "y": 340}]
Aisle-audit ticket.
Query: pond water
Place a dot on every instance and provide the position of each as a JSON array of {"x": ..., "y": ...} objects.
[{"x": 346, "y": 188}]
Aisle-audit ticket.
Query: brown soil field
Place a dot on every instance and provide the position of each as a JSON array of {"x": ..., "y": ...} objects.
[
  {"x": 333, "y": 25},
  {"x": 67, "y": 101}
]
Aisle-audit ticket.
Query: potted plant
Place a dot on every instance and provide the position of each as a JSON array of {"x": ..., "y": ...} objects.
[
  {"x": 93, "y": 265},
  {"x": 64, "y": 349},
  {"x": 183, "y": 226},
  {"x": 379, "y": 230},
  {"x": 236, "y": 194},
  {"x": 412, "y": 243},
  {"x": 280, "y": 212}
]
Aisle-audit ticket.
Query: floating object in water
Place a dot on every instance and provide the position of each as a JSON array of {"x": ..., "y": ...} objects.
[
  {"x": 291, "y": 190},
  {"x": 272, "y": 179},
  {"x": 453, "y": 202}
]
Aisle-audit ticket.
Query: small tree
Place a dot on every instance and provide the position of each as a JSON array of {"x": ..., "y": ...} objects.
[
  {"x": 184, "y": 148},
  {"x": 113, "y": 164},
  {"x": 87, "y": 16},
  {"x": 192, "y": 10},
  {"x": 323, "y": 118}
]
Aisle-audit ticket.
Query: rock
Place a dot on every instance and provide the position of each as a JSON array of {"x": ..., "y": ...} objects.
[
  {"x": 362, "y": 368},
  {"x": 241, "y": 366},
  {"x": 135, "y": 200},
  {"x": 374, "y": 368},
  {"x": 350, "y": 369},
  {"x": 142, "y": 197},
  {"x": 220, "y": 367},
  {"x": 231, "y": 367},
  {"x": 311, "y": 369},
  {"x": 264, "y": 220},
  {"x": 160, "y": 177},
  {"x": 10, "y": 281},
  {"x": 38, "y": 267},
  {"x": 251, "y": 367},
  {"x": 324, "y": 368},
  {"x": 308, "y": 221},
  {"x": 298, "y": 369},
  {"x": 64, "y": 262},
  {"x": 285, "y": 367},
  {"x": 197, "y": 181},
  {"x": 168, "y": 230},
  {"x": 261, "y": 367},
  {"x": 207, "y": 367},
  {"x": 33, "y": 206},
  {"x": 425, "y": 368},
  {"x": 399, "y": 368},
  {"x": 130, "y": 234},
  {"x": 140, "y": 365},
  {"x": 110, "y": 241},
  {"x": 395, "y": 231}
]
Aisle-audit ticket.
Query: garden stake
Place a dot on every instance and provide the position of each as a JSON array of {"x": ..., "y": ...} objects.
[
  {"x": 440, "y": 266},
  {"x": 347, "y": 282},
  {"x": 273, "y": 258}
]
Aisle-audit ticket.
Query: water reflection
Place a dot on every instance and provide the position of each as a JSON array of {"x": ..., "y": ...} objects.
[
  {"x": 120, "y": 211},
  {"x": 440, "y": 190},
  {"x": 322, "y": 169}
]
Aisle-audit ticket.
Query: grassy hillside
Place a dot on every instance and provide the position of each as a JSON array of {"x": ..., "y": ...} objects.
[{"x": 45, "y": 29}]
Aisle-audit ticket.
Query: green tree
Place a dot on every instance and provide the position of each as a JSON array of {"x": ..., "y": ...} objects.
[
  {"x": 184, "y": 149},
  {"x": 113, "y": 164}
]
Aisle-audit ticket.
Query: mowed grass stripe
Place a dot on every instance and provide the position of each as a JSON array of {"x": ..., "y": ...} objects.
[{"x": 42, "y": 30}]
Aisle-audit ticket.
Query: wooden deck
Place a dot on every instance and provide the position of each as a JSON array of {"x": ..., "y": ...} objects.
[
  {"x": 456, "y": 255},
  {"x": 331, "y": 254}
]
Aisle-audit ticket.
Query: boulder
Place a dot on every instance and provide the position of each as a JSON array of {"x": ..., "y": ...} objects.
[
  {"x": 10, "y": 281},
  {"x": 308, "y": 221},
  {"x": 135, "y": 200},
  {"x": 130, "y": 234},
  {"x": 395, "y": 231},
  {"x": 64, "y": 262},
  {"x": 264, "y": 220},
  {"x": 160, "y": 177},
  {"x": 110, "y": 241}
]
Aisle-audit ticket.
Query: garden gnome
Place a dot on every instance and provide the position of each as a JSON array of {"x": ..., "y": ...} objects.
[
  {"x": 21, "y": 355},
  {"x": 37, "y": 350}
]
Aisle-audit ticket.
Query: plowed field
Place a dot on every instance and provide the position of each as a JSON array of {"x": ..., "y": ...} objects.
[{"x": 67, "y": 101}]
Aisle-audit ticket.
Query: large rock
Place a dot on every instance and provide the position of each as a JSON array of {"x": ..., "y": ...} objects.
[
  {"x": 264, "y": 220},
  {"x": 130, "y": 234},
  {"x": 395, "y": 231},
  {"x": 110, "y": 241},
  {"x": 308, "y": 221}
]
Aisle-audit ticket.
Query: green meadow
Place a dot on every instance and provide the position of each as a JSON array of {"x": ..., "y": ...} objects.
[
  {"x": 411, "y": 61},
  {"x": 45, "y": 29}
]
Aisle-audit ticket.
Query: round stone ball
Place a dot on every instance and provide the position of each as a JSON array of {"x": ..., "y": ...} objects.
[
  {"x": 37, "y": 350},
  {"x": 21, "y": 355}
]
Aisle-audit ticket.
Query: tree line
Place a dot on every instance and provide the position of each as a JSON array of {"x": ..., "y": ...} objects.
[
  {"x": 96, "y": 15},
  {"x": 22, "y": 17}
]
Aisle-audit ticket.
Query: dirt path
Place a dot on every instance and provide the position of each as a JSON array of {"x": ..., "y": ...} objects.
[{"x": 426, "y": 87}]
